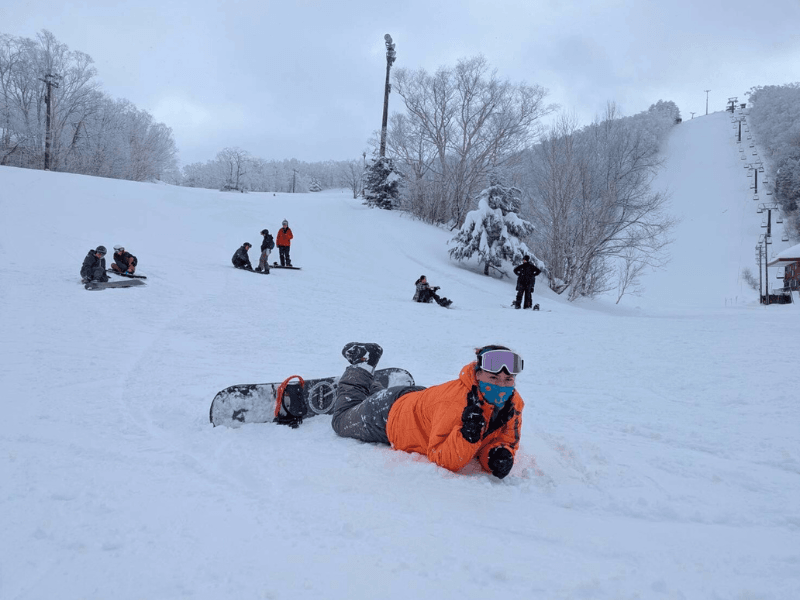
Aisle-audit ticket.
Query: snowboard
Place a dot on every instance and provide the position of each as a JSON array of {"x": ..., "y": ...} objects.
[
  {"x": 277, "y": 266},
  {"x": 134, "y": 276},
  {"x": 252, "y": 271},
  {"x": 255, "y": 402},
  {"x": 103, "y": 285}
]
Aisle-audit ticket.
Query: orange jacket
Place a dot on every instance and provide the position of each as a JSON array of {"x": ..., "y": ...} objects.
[
  {"x": 284, "y": 237},
  {"x": 429, "y": 422}
]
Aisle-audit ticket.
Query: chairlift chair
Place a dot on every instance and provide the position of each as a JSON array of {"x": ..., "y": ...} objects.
[{"x": 785, "y": 237}]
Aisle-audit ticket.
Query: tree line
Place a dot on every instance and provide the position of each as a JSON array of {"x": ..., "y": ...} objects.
[
  {"x": 235, "y": 169},
  {"x": 775, "y": 121},
  {"x": 53, "y": 113}
]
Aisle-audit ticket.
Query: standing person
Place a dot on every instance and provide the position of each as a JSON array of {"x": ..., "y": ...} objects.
[
  {"x": 124, "y": 262},
  {"x": 284, "y": 241},
  {"x": 241, "y": 260},
  {"x": 425, "y": 293},
  {"x": 477, "y": 415},
  {"x": 526, "y": 279},
  {"x": 94, "y": 266},
  {"x": 266, "y": 246}
]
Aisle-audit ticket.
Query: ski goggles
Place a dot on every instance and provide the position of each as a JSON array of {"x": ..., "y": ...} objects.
[{"x": 494, "y": 361}]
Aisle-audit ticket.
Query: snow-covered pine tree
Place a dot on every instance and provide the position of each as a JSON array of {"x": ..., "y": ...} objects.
[
  {"x": 381, "y": 184},
  {"x": 493, "y": 231},
  {"x": 315, "y": 186}
]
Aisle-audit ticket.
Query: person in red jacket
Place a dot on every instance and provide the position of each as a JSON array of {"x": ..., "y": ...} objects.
[
  {"x": 479, "y": 414},
  {"x": 283, "y": 242}
]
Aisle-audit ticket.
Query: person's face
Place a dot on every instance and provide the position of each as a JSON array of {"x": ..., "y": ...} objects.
[
  {"x": 99, "y": 254},
  {"x": 502, "y": 378}
]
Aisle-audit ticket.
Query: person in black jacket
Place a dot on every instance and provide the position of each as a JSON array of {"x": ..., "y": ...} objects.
[
  {"x": 526, "y": 279},
  {"x": 425, "y": 293},
  {"x": 94, "y": 266},
  {"x": 240, "y": 258},
  {"x": 266, "y": 246},
  {"x": 124, "y": 262}
]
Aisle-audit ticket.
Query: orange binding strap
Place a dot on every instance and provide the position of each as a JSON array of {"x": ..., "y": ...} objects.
[{"x": 282, "y": 389}]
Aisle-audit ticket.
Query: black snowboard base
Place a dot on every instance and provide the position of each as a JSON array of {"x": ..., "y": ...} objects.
[
  {"x": 252, "y": 271},
  {"x": 129, "y": 275},
  {"x": 255, "y": 402},
  {"x": 103, "y": 285},
  {"x": 277, "y": 266}
]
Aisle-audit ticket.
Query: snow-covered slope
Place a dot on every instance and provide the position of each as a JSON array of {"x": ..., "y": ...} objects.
[{"x": 659, "y": 454}]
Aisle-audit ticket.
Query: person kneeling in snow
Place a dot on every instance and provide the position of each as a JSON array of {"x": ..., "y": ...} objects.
[
  {"x": 478, "y": 414},
  {"x": 94, "y": 266},
  {"x": 426, "y": 293},
  {"x": 240, "y": 259}
]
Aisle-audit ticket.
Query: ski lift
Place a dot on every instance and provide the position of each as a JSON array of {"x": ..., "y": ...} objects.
[
  {"x": 785, "y": 237},
  {"x": 769, "y": 193},
  {"x": 755, "y": 197},
  {"x": 779, "y": 219},
  {"x": 743, "y": 157},
  {"x": 760, "y": 211},
  {"x": 779, "y": 275}
]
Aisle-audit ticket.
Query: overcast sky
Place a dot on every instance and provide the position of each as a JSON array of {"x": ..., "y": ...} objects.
[{"x": 304, "y": 78}]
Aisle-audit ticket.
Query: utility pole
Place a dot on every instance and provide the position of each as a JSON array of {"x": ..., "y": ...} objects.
[
  {"x": 294, "y": 178},
  {"x": 706, "y": 91},
  {"x": 760, "y": 284},
  {"x": 391, "y": 56},
  {"x": 693, "y": 115},
  {"x": 48, "y": 100}
]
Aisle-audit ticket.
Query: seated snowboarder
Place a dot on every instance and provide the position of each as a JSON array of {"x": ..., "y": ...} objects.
[
  {"x": 266, "y": 247},
  {"x": 479, "y": 414},
  {"x": 526, "y": 279},
  {"x": 94, "y": 266},
  {"x": 124, "y": 262},
  {"x": 240, "y": 258},
  {"x": 426, "y": 293}
]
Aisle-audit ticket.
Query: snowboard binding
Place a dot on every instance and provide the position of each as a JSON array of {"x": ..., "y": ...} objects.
[
  {"x": 535, "y": 307},
  {"x": 290, "y": 406}
]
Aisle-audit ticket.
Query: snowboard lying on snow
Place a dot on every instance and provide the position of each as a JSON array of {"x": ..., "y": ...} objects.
[
  {"x": 103, "y": 285},
  {"x": 256, "y": 402},
  {"x": 277, "y": 266},
  {"x": 253, "y": 271},
  {"x": 130, "y": 275}
]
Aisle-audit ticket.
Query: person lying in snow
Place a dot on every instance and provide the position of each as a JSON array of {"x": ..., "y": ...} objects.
[
  {"x": 478, "y": 414},
  {"x": 426, "y": 293}
]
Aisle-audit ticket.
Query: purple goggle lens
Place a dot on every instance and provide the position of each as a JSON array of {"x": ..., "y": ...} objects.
[{"x": 494, "y": 361}]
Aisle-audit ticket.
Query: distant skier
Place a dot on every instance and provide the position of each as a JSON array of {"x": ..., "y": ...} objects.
[
  {"x": 267, "y": 245},
  {"x": 284, "y": 241},
  {"x": 124, "y": 262},
  {"x": 426, "y": 293},
  {"x": 94, "y": 266},
  {"x": 477, "y": 415},
  {"x": 526, "y": 280},
  {"x": 240, "y": 259}
]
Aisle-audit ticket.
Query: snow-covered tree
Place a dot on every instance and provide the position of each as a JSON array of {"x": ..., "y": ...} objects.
[
  {"x": 381, "y": 183},
  {"x": 494, "y": 231},
  {"x": 315, "y": 186}
]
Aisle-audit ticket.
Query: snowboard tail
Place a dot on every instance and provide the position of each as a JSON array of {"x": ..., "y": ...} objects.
[
  {"x": 277, "y": 266},
  {"x": 257, "y": 402}
]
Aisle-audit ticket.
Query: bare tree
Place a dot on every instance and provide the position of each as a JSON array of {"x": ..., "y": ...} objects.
[
  {"x": 351, "y": 175},
  {"x": 593, "y": 205},
  {"x": 234, "y": 162},
  {"x": 469, "y": 120}
]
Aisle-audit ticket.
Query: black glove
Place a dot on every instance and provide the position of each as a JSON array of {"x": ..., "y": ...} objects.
[
  {"x": 500, "y": 461},
  {"x": 472, "y": 421}
]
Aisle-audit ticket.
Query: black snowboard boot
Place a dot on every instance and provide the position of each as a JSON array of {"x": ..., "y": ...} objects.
[{"x": 359, "y": 352}]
